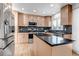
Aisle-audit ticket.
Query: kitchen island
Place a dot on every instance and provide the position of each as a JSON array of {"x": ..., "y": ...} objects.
[
  {"x": 60, "y": 46},
  {"x": 43, "y": 45}
]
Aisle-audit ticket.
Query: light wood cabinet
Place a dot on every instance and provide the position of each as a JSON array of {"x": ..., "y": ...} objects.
[
  {"x": 40, "y": 21},
  {"x": 20, "y": 19},
  {"x": 23, "y": 48},
  {"x": 22, "y": 38},
  {"x": 66, "y": 15},
  {"x": 43, "y": 49},
  {"x": 40, "y": 48},
  {"x": 24, "y": 19},
  {"x": 62, "y": 50},
  {"x": 48, "y": 21},
  {"x": 68, "y": 36},
  {"x": 21, "y": 45}
]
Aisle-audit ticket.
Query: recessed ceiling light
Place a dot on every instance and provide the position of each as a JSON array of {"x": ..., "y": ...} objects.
[
  {"x": 34, "y": 10},
  {"x": 22, "y": 8},
  {"x": 51, "y": 5}
]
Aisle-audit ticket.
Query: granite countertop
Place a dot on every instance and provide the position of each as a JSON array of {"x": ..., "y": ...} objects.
[{"x": 53, "y": 40}]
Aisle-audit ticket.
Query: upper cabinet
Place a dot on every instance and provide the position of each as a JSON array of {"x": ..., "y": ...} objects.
[
  {"x": 48, "y": 21},
  {"x": 20, "y": 19},
  {"x": 24, "y": 19},
  {"x": 66, "y": 15}
]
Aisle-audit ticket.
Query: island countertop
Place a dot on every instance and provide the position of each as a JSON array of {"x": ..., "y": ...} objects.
[{"x": 53, "y": 40}]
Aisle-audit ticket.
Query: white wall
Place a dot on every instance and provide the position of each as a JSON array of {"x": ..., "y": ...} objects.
[{"x": 75, "y": 29}]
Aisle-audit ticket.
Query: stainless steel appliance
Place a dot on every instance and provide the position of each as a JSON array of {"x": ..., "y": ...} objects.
[{"x": 31, "y": 28}]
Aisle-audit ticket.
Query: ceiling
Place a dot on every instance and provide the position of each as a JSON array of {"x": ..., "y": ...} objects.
[{"x": 43, "y": 9}]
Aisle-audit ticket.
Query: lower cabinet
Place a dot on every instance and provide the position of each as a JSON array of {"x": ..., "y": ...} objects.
[
  {"x": 42, "y": 48},
  {"x": 39, "y": 48},
  {"x": 22, "y": 47},
  {"x": 68, "y": 36},
  {"x": 62, "y": 50}
]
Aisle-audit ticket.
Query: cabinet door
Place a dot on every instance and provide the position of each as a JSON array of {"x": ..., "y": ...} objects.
[
  {"x": 20, "y": 19},
  {"x": 47, "y": 21},
  {"x": 22, "y": 38},
  {"x": 66, "y": 15},
  {"x": 62, "y": 50},
  {"x": 21, "y": 45},
  {"x": 68, "y": 36},
  {"x": 40, "y": 48},
  {"x": 31, "y": 18},
  {"x": 43, "y": 49},
  {"x": 26, "y": 20},
  {"x": 42, "y": 21},
  {"x": 39, "y": 21}
]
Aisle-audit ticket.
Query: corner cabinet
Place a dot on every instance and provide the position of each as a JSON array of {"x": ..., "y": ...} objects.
[{"x": 66, "y": 15}]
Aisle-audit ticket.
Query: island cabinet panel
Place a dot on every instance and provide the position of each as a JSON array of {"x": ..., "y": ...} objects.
[
  {"x": 66, "y": 15},
  {"x": 62, "y": 50},
  {"x": 43, "y": 49}
]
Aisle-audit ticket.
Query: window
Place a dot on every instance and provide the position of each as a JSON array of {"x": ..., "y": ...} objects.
[{"x": 56, "y": 21}]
